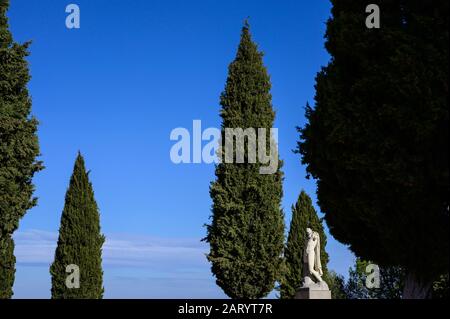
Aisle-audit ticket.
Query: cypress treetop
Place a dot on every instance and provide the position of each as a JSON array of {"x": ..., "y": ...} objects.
[
  {"x": 80, "y": 241},
  {"x": 303, "y": 216},
  {"x": 247, "y": 230}
]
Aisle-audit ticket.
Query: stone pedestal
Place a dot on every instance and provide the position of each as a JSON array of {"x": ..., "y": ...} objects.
[{"x": 311, "y": 293}]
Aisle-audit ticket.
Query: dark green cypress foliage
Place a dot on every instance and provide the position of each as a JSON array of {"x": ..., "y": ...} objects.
[
  {"x": 80, "y": 241},
  {"x": 18, "y": 147},
  {"x": 7, "y": 268},
  {"x": 377, "y": 139},
  {"x": 247, "y": 230},
  {"x": 303, "y": 216}
]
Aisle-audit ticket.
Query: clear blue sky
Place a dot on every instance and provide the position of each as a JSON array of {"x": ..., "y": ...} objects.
[{"x": 115, "y": 88}]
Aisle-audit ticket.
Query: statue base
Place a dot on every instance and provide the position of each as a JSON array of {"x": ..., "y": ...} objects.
[
  {"x": 313, "y": 290},
  {"x": 311, "y": 293}
]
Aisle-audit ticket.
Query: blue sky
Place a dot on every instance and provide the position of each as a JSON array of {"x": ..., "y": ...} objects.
[{"x": 115, "y": 88}]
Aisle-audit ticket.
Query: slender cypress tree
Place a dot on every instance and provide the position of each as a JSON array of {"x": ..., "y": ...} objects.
[
  {"x": 80, "y": 241},
  {"x": 247, "y": 230},
  {"x": 19, "y": 147},
  {"x": 303, "y": 216},
  {"x": 377, "y": 139}
]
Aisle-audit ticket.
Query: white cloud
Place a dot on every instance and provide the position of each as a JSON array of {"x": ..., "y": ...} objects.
[
  {"x": 37, "y": 247},
  {"x": 134, "y": 266}
]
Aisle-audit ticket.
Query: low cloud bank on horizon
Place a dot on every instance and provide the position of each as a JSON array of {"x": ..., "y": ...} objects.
[
  {"x": 37, "y": 247},
  {"x": 134, "y": 266}
]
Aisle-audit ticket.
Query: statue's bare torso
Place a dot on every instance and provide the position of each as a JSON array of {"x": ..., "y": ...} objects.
[{"x": 311, "y": 262}]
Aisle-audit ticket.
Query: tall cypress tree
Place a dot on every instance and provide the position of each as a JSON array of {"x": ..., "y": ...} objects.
[
  {"x": 303, "y": 216},
  {"x": 19, "y": 147},
  {"x": 80, "y": 241},
  {"x": 377, "y": 139},
  {"x": 247, "y": 230}
]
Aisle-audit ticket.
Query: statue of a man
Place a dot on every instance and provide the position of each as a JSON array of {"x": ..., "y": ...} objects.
[
  {"x": 313, "y": 287},
  {"x": 311, "y": 257}
]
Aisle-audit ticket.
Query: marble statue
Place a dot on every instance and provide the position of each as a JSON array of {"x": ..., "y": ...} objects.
[{"x": 312, "y": 266}]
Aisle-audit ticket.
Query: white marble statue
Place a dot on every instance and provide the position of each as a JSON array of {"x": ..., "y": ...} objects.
[{"x": 311, "y": 258}]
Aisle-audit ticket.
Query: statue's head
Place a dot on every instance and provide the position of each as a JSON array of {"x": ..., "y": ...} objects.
[{"x": 309, "y": 232}]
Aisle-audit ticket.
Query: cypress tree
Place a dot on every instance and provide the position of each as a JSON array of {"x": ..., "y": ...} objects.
[
  {"x": 19, "y": 147},
  {"x": 247, "y": 230},
  {"x": 80, "y": 241},
  {"x": 303, "y": 216},
  {"x": 377, "y": 139}
]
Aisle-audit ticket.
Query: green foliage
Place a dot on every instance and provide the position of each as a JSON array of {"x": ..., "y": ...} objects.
[
  {"x": 440, "y": 287},
  {"x": 18, "y": 148},
  {"x": 7, "y": 268},
  {"x": 391, "y": 282},
  {"x": 377, "y": 139},
  {"x": 303, "y": 216},
  {"x": 336, "y": 283},
  {"x": 80, "y": 241},
  {"x": 246, "y": 234}
]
